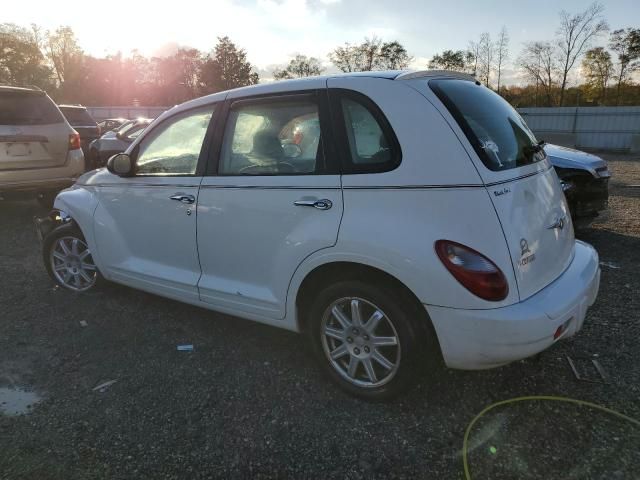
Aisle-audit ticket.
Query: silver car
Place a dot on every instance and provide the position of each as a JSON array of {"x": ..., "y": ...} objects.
[{"x": 40, "y": 153}]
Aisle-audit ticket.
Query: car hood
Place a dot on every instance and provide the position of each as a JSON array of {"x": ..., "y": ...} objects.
[{"x": 564, "y": 157}]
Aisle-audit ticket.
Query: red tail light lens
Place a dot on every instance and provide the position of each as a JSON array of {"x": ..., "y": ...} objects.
[
  {"x": 473, "y": 270},
  {"x": 74, "y": 141}
]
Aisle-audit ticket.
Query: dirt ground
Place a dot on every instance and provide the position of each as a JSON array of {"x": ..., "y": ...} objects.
[{"x": 249, "y": 402}]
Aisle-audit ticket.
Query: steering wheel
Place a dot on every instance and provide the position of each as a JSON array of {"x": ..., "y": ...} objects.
[{"x": 285, "y": 167}]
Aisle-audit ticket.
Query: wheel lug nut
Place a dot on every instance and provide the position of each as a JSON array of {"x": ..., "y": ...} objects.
[
  {"x": 366, "y": 349},
  {"x": 354, "y": 331},
  {"x": 349, "y": 340},
  {"x": 366, "y": 337},
  {"x": 356, "y": 351}
]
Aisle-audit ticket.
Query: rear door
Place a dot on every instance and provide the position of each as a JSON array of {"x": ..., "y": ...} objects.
[
  {"x": 520, "y": 180},
  {"x": 33, "y": 133},
  {"x": 273, "y": 199}
]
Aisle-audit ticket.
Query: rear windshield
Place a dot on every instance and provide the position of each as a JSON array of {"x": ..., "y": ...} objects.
[
  {"x": 78, "y": 117},
  {"x": 497, "y": 132},
  {"x": 27, "y": 109}
]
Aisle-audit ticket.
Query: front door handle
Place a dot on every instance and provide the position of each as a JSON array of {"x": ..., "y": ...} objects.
[
  {"x": 323, "y": 204},
  {"x": 183, "y": 197}
]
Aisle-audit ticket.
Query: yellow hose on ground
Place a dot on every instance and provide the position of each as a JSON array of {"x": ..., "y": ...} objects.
[{"x": 547, "y": 398}]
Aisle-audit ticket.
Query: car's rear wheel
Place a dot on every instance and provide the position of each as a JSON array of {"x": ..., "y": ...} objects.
[
  {"x": 365, "y": 338},
  {"x": 68, "y": 259}
]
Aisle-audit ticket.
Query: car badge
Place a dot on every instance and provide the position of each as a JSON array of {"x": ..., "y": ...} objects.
[
  {"x": 559, "y": 223},
  {"x": 524, "y": 247}
]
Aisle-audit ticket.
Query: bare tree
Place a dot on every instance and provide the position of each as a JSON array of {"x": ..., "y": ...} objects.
[
  {"x": 64, "y": 52},
  {"x": 597, "y": 68},
  {"x": 471, "y": 59},
  {"x": 539, "y": 65},
  {"x": 574, "y": 37},
  {"x": 486, "y": 51},
  {"x": 502, "y": 52},
  {"x": 626, "y": 44}
]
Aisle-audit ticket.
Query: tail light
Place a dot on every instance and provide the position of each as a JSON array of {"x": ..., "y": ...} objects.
[
  {"x": 473, "y": 270},
  {"x": 74, "y": 141}
]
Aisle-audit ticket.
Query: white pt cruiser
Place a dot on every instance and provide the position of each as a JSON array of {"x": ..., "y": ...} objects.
[{"x": 393, "y": 217}]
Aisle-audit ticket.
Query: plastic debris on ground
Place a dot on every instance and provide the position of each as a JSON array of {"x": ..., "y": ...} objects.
[
  {"x": 103, "y": 386},
  {"x": 185, "y": 348}
]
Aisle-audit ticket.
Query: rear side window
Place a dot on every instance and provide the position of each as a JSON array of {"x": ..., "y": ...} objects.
[
  {"x": 499, "y": 135},
  {"x": 78, "y": 117},
  {"x": 372, "y": 145},
  {"x": 27, "y": 109}
]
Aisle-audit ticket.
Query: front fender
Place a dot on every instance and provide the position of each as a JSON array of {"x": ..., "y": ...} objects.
[{"x": 78, "y": 204}]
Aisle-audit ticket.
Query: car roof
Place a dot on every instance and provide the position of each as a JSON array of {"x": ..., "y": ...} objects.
[
  {"x": 315, "y": 82},
  {"x": 25, "y": 90}
]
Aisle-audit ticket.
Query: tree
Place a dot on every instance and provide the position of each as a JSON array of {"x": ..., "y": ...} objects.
[
  {"x": 372, "y": 54},
  {"x": 597, "y": 68},
  {"x": 539, "y": 65},
  {"x": 21, "y": 60},
  {"x": 502, "y": 53},
  {"x": 574, "y": 37},
  {"x": 449, "y": 60},
  {"x": 299, "y": 66},
  {"x": 486, "y": 58},
  {"x": 626, "y": 44},
  {"x": 64, "y": 53},
  {"x": 472, "y": 57},
  {"x": 226, "y": 67}
]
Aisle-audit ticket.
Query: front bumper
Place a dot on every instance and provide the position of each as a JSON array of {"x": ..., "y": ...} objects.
[{"x": 477, "y": 339}]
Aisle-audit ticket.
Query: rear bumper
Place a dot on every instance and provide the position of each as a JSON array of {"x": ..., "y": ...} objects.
[
  {"x": 477, "y": 339},
  {"x": 16, "y": 182}
]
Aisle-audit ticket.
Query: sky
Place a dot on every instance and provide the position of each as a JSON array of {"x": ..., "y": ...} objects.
[{"x": 272, "y": 31}]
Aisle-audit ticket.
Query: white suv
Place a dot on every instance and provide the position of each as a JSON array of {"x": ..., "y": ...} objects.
[{"x": 394, "y": 217}]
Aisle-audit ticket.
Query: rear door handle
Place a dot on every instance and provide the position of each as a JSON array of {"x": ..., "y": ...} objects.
[
  {"x": 323, "y": 204},
  {"x": 183, "y": 197}
]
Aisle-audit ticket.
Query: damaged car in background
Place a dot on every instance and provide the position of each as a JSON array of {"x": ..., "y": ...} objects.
[{"x": 585, "y": 181}]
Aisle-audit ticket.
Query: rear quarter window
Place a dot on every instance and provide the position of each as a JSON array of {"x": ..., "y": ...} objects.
[
  {"x": 499, "y": 135},
  {"x": 18, "y": 108}
]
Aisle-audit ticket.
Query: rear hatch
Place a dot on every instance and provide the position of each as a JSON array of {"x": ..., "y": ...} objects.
[
  {"x": 520, "y": 180},
  {"x": 33, "y": 133}
]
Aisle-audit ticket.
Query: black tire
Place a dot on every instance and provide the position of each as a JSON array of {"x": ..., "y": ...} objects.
[
  {"x": 404, "y": 317},
  {"x": 68, "y": 230}
]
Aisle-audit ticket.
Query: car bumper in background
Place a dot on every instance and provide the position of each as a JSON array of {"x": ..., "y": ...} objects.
[
  {"x": 16, "y": 182},
  {"x": 477, "y": 339}
]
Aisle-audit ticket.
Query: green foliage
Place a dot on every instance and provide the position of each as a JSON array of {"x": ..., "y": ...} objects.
[
  {"x": 449, "y": 60},
  {"x": 372, "y": 54},
  {"x": 597, "y": 69},
  {"x": 21, "y": 60},
  {"x": 226, "y": 67},
  {"x": 300, "y": 66}
]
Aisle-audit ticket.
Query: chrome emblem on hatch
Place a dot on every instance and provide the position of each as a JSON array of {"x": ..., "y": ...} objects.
[{"x": 559, "y": 223}]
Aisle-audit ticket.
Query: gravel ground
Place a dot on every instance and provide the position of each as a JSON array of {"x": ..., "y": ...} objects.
[{"x": 249, "y": 401}]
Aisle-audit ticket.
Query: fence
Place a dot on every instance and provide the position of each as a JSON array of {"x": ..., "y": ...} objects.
[
  {"x": 595, "y": 128},
  {"x": 591, "y": 128},
  {"x": 102, "y": 113}
]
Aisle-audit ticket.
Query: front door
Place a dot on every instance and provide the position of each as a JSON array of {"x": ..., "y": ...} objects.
[
  {"x": 275, "y": 199},
  {"x": 145, "y": 225}
]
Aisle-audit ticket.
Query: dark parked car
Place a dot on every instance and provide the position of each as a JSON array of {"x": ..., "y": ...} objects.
[
  {"x": 111, "y": 124},
  {"x": 112, "y": 142},
  {"x": 83, "y": 123},
  {"x": 585, "y": 181}
]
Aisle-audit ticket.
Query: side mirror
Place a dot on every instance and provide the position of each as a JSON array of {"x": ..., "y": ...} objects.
[{"x": 120, "y": 164}]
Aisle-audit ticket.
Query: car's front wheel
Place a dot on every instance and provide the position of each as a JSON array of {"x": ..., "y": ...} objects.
[
  {"x": 68, "y": 259},
  {"x": 366, "y": 338}
]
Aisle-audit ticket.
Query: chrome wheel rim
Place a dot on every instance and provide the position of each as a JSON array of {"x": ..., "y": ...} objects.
[
  {"x": 360, "y": 342},
  {"x": 72, "y": 264}
]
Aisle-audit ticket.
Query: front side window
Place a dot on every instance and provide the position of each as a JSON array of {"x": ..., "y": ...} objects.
[
  {"x": 277, "y": 137},
  {"x": 497, "y": 132},
  {"x": 174, "y": 147}
]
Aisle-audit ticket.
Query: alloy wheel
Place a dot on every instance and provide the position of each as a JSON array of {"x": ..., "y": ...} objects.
[
  {"x": 360, "y": 342},
  {"x": 72, "y": 264}
]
